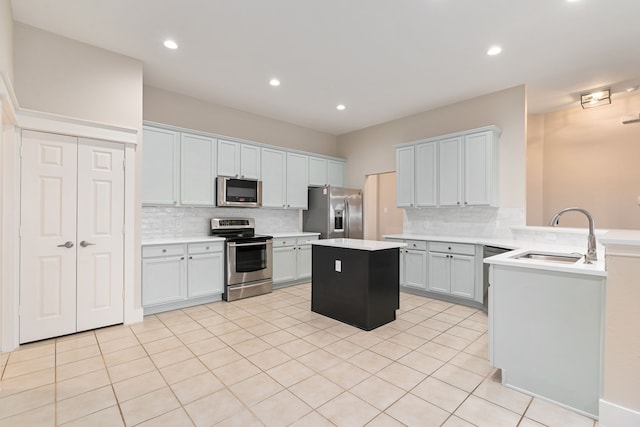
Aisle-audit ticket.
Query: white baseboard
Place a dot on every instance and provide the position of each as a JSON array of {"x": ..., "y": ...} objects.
[{"x": 612, "y": 415}]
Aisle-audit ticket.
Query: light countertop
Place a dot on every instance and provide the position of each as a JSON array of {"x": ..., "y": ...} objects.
[
  {"x": 521, "y": 246},
  {"x": 292, "y": 234},
  {"x": 621, "y": 237},
  {"x": 179, "y": 240},
  {"x": 197, "y": 239},
  {"x": 486, "y": 241},
  {"x": 364, "y": 245},
  {"x": 578, "y": 267}
]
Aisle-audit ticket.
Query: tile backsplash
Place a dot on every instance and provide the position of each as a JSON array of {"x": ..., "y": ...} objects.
[
  {"x": 477, "y": 221},
  {"x": 170, "y": 222}
]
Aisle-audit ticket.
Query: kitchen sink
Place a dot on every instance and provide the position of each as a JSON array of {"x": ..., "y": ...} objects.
[{"x": 550, "y": 257}]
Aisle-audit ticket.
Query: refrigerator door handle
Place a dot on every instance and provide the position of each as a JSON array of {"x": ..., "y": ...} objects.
[{"x": 346, "y": 214}]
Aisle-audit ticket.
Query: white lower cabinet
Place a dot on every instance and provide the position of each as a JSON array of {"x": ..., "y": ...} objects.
[
  {"x": 291, "y": 259},
  {"x": 452, "y": 269},
  {"x": 414, "y": 264},
  {"x": 205, "y": 270},
  {"x": 163, "y": 275},
  {"x": 175, "y": 275}
]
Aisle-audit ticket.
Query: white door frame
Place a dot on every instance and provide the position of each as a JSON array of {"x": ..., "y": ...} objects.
[{"x": 10, "y": 215}]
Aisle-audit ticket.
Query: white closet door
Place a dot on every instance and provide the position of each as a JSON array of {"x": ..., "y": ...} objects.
[
  {"x": 100, "y": 237},
  {"x": 48, "y": 222}
]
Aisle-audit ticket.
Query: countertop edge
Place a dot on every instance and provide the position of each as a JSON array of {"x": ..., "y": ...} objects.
[
  {"x": 181, "y": 240},
  {"x": 358, "y": 244},
  {"x": 520, "y": 246}
]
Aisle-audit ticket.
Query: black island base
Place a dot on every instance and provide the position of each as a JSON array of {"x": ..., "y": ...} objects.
[{"x": 357, "y": 287}]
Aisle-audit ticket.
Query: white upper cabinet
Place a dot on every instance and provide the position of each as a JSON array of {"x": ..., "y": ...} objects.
[
  {"x": 180, "y": 168},
  {"x": 197, "y": 170},
  {"x": 249, "y": 161},
  {"x": 426, "y": 174},
  {"x": 238, "y": 160},
  {"x": 284, "y": 179},
  {"x": 452, "y": 170},
  {"x": 228, "y": 158},
  {"x": 326, "y": 172},
  {"x": 318, "y": 171},
  {"x": 404, "y": 176},
  {"x": 450, "y": 159},
  {"x": 480, "y": 169},
  {"x": 297, "y": 180},
  {"x": 335, "y": 171},
  {"x": 274, "y": 177},
  {"x": 160, "y": 166}
]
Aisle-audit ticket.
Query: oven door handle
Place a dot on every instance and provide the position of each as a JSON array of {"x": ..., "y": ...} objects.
[{"x": 234, "y": 244}]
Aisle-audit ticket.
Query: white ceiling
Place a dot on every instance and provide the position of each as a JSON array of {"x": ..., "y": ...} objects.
[{"x": 384, "y": 59}]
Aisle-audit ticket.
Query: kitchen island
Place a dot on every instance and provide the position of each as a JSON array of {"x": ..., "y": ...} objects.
[{"x": 356, "y": 281}]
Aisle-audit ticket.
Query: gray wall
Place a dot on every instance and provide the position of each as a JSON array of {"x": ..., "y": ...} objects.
[
  {"x": 186, "y": 112},
  {"x": 58, "y": 75},
  {"x": 6, "y": 39}
]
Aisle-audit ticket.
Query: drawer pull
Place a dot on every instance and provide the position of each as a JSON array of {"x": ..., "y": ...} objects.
[
  {"x": 164, "y": 251},
  {"x": 207, "y": 248}
]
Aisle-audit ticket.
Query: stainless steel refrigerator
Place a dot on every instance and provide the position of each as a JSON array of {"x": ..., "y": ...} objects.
[{"x": 334, "y": 212}]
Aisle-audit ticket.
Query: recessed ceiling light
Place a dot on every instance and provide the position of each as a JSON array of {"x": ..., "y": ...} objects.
[
  {"x": 274, "y": 82},
  {"x": 341, "y": 107},
  {"x": 494, "y": 50},
  {"x": 632, "y": 88},
  {"x": 170, "y": 44}
]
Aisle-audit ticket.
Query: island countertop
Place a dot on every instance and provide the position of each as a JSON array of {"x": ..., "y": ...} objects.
[{"x": 358, "y": 244}]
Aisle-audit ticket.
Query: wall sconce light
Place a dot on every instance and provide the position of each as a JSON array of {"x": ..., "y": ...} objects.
[{"x": 596, "y": 99}]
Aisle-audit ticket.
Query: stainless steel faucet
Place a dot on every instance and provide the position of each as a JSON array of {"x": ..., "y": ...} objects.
[{"x": 591, "y": 246}]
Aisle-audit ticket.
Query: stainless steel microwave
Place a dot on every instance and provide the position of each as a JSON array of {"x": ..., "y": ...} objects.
[{"x": 235, "y": 192}]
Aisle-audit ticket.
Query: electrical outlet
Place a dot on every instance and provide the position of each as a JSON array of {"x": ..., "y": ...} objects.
[{"x": 339, "y": 266}]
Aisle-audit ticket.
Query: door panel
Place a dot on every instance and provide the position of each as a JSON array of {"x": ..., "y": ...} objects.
[
  {"x": 449, "y": 154},
  {"x": 100, "y": 226},
  {"x": 439, "y": 269},
  {"x": 414, "y": 274},
  {"x": 462, "y": 283},
  {"x": 205, "y": 275},
  {"x": 48, "y": 220}
]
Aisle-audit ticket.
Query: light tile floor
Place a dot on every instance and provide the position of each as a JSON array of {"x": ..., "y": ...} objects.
[{"x": 269, "y": 360}]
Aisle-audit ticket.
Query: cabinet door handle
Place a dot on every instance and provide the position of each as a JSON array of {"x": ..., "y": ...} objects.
[
  {"x": 458, "y": 202},
  {"x": 68, "y": 245},
  {"x": 190, "y": 257},
  {"x": 449, "y": 247},
  {"x": 84, "y": 244},
  {"x": 181, "y": 258}
]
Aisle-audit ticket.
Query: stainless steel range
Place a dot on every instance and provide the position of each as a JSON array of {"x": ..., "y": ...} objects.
[{"x": 249, "y": 258}]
